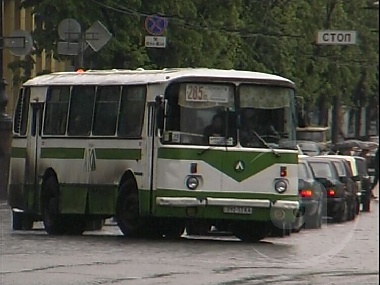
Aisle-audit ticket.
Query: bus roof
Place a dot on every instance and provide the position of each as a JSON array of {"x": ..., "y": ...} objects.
[{"x": 141, "y": 76}]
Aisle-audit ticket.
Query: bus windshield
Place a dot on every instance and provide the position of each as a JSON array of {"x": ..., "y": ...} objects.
[
  {"x": 208, "y": 114},
  {"x": 265, "y": 113},
  {"x": 200, "y": 114}
]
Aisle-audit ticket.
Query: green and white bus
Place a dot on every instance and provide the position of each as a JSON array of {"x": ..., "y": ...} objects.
[{"x": 130, "y": 144}]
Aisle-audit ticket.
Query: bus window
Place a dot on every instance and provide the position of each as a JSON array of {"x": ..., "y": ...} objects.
[
  {"x": 56, "y": 110},
  {"x": 106, "y": 110},
  {"x": 81, "y": 110},
  {"x": 21, "y": 113},
  {"x": 132, "y": 109}
]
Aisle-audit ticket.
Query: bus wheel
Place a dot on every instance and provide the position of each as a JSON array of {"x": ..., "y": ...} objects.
[
  {"x": 20, "y": 221},
  {"x": 127, "y": 211},
  {"x": 50, "y": 202},
  {"x": 200, "y": 227},
  {"x": 172, "y": 229},
  {"x": 249, "y": 232}
]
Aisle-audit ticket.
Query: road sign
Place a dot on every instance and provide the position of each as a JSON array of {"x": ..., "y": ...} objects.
[
  {"x": 331, "y": 37},
  {"x": 69, "y": 30},
  {"x": 68, "y": 48},
  {"x": 97, "y": 36},
  {"x": 19, "y": 42},
  {"x": 156, "y": 25},
  {"x": 155, "y": 42}
]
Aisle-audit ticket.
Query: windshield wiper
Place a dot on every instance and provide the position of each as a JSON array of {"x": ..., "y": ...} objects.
[
  {"x": 213, "y": 146},
  {"x": 206, "y": 149},
  {"x": 265, "y": 143}
]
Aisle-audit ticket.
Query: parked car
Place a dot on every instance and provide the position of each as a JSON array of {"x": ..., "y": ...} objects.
[
  {"x": 335, "y": 202},
  {"x": 311, "y": 194},
  {"x": 346, "y": 176},
  {"x": 365, "y": 191}
]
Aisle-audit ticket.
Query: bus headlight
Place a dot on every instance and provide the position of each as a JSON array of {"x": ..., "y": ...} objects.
[
  {"x": 280, "y": 186},
  {"x": 192, "y": 182}
]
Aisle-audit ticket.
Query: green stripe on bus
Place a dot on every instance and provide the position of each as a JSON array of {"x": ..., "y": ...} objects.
[
  {"x": 101, "y": 153},
  {"x": 18, "y": 152},
  {"x": 226, "y": 161},
  {"x": 62, "y": 153},
  {"x": 112, "y": 153}
]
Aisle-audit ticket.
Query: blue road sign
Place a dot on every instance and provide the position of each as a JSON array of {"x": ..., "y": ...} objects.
[{"x": 155, "y": 25}]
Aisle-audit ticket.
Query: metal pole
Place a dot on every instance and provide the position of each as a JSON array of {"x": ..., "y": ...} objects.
[{"x": 5, "y": 120}]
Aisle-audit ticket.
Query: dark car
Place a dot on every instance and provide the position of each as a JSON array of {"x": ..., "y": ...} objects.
[
  {"x": 347, "y": 178},
  {"x": 311, "y": 194},
  {"x": 365, "y": 183},
  {"x": 336, "y": 204}
]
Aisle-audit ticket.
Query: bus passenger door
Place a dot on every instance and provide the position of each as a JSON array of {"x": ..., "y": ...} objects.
[
  {"x": 152, "y": 141},
  {"x": 33, "y": 153}
]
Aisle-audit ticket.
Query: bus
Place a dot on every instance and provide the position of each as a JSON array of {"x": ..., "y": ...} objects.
[{"x": 130, "y": 145}]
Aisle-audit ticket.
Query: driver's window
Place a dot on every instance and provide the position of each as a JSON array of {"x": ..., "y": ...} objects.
[{"x": 191, "y": 108}]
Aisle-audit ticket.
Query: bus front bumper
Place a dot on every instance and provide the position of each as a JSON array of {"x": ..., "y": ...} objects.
[
  {"x": 199, "y": 202},
  {"x": 227, "y": 208}
]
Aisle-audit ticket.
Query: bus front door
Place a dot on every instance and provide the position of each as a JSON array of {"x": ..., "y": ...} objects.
[{"x": 33, "y": 152}]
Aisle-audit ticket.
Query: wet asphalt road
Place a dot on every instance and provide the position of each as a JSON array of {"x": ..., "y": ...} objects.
[{"x": 345, "y": 253}]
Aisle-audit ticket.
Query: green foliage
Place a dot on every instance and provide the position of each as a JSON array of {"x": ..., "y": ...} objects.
[{"x": 275, "y": 36}]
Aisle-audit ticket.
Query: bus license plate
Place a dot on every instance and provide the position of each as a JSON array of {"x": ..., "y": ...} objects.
[{"x": 238, "y": 210}]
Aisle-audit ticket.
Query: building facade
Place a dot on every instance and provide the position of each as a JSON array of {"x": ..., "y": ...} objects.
[{"x": 16, "y": 18}]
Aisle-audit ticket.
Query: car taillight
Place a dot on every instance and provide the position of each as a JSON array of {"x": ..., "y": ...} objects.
[
  {"x": 330, "y": 192},
  {"x": 306, "y": 193}
]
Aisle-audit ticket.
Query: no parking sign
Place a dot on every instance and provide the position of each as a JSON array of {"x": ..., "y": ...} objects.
[{"x": 155, "y": 25}]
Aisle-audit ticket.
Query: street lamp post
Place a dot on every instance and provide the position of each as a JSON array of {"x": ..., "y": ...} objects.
[{"x": 5, "y": 120}]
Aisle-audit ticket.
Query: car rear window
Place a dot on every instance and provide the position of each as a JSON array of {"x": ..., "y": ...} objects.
[
  {"x": 302, "y": 171},
  {"x": 321, "y": 169},
  {"x": 340, "y": 168},
  {"x": 362, "y": 167}
]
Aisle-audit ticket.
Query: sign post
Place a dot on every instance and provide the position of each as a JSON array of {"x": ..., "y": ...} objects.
[{"x": 336, "y": 37}]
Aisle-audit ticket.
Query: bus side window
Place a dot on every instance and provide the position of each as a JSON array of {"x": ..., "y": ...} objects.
[
  {"x": 131, "y": 112},
  {"x": 106, "y": 110},
  {"x": 81, "y": 110},
  {"x": 57, "y": 104}
]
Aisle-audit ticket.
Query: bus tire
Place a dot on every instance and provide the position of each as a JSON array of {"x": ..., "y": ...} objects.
[
  {"x": 21, "y": 222},
  {"x": 127, "y": 215},
  {"x": 249, "y": 231},
  {"x": 200, "y": 227},
  {"x": 172, "y": 229},
  {"x": 52, "y": 221}
]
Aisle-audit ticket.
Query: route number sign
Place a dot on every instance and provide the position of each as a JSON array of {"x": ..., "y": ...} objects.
[{"x": 207, "y": 93}]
